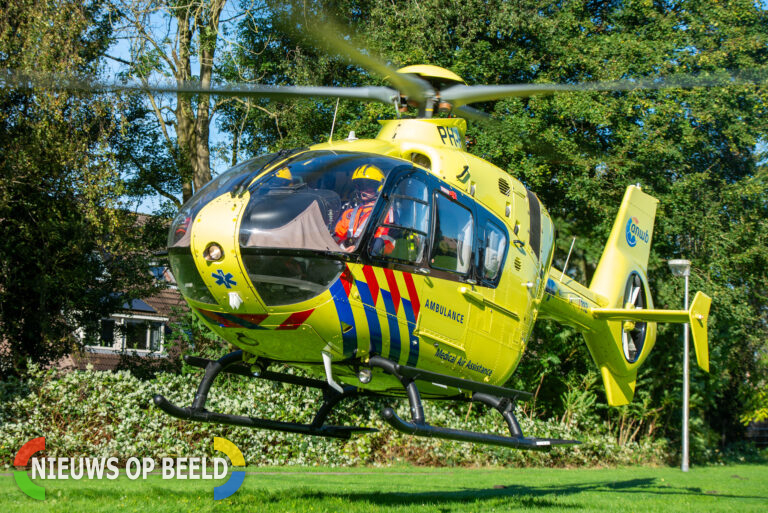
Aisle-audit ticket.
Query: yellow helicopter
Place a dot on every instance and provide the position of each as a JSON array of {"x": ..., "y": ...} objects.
[{"x": 402, "y": 265}]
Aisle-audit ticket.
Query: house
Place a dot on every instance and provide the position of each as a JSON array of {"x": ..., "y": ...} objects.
[
  {"x": 757, "y": 432},
  {"x": 138, "y": 331}
]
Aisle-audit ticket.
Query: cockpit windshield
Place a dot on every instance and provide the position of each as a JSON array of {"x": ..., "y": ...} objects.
[
  {"x": 319, "y": 200},
  {"x": 179, "y": 235}
]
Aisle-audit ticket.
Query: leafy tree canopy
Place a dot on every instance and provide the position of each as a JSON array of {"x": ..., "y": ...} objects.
[{"x": 67, "y": 249}]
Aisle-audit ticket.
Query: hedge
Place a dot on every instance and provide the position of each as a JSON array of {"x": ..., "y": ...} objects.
[{"x": 111, "y": 414}]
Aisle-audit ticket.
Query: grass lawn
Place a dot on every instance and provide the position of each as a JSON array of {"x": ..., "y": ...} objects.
[{"x": 410, "y": 489}]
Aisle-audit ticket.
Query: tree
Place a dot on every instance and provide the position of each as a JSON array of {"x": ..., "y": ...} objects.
[
  {"x": 66, "y": 246},
  {"x": 278, "y": 45},
  {"x": 169, "y": 39}
]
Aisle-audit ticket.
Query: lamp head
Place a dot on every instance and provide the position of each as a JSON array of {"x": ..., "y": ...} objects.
[{"x": 680, "y": 267}]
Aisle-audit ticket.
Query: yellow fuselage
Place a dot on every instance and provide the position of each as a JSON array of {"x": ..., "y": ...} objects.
[{"x": 412, "y": 315}]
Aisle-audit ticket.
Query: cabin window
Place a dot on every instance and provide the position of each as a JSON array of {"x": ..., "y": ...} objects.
[
  {"x": 452, "y": 247},
  {"x": 495, "y": 245},
  {"x": 402, "y": 232},
  {"x": 179, "y": 235},
  {"x": 317, "y": 201},
  {"x": 285, "y": 280}
]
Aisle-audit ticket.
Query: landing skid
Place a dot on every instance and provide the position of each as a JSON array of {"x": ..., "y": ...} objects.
[
  {"x": 499, "y": 398},
  {"x": 232, "y": 363}
]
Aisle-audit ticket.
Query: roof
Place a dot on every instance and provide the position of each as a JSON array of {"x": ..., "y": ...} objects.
[
  {"x": 137, "y": 305},
  {"x": 167, "y": 303}
]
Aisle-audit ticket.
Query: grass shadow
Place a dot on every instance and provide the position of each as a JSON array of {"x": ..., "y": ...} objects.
[{"x": 523, "y": 495}]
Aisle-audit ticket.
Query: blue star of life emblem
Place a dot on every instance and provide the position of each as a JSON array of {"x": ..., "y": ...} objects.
[{"x": 224, "y": 279}]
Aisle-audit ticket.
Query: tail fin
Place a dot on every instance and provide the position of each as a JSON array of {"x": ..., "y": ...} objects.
[
  {"x": 628, "y": 246},
  {"x": 621, "y": 277},
  {"x": 616, "y": 314},
  {"x": 629, "y": 331}
]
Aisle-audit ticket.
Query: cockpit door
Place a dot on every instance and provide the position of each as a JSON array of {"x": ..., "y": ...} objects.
[{"x": 445, "y": 309}]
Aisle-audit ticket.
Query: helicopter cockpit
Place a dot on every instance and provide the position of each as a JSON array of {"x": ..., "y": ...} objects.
[
  {"x": 311, "y": 213},
  {"x": 314, "y": 206},
  {"x": 300, "y": 205}
]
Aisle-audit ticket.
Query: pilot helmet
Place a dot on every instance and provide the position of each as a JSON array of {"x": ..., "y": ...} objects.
[{"x": 367, "y": 180}]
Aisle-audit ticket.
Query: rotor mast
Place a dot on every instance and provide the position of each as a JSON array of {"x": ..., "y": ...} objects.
[{"x": 438, "y": 78}]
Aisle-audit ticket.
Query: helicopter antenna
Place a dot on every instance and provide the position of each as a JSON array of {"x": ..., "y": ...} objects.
[
  {"x": 565, "y": 267},
  {"x": 333, "y": 125}
]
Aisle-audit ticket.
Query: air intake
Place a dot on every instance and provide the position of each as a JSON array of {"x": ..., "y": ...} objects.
[{"x": 504, "y": 187}]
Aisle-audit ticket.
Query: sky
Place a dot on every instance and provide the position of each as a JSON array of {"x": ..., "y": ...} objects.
[{"x": 120, "y": 49}]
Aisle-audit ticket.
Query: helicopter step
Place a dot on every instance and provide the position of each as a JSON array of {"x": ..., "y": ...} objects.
[
  {"x": 499, "y": 398},
  {"x": 232, "y": 363}
]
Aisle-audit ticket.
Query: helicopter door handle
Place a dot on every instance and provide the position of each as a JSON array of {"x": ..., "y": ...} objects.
[
  {"x": 422, "y": 270},
  {"x": 518, "y": 243},
  {"x": 472, "y": 294}
]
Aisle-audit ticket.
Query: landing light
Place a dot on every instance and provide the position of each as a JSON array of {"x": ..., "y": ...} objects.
[{"x": 213, "y": 253}]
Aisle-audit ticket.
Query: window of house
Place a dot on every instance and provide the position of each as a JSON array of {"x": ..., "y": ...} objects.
[
  {"x": 143, "y": 334},
  {"x": 452, "y": 247},
  {"x": 107, "y": 333},
  {"x": 127, "y": 333},
  {"x": 101, "y": 334},
  {"x": 402, "y": 233}
]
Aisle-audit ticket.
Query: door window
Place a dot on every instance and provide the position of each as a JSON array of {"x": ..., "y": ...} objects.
[
  {"x": 452, "y": 248},
  {"x": 495, "y": 246},
  {"x": 402, "y": 232}
]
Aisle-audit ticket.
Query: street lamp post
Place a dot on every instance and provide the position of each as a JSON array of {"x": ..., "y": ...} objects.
[{"x": 683, "y": 268}]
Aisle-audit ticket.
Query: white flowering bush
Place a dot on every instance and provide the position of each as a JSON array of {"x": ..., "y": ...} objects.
[{"x": 111, "y": 414}]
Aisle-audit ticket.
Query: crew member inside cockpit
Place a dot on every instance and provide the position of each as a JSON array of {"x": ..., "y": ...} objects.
[{"x": 367, "y": 181}]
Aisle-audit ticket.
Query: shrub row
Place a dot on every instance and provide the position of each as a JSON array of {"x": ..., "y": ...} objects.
[{"x": 111, "y": 414}]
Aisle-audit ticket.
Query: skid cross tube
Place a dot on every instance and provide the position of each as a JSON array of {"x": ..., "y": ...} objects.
[
  {"x": 233, "y": 363},
  {"x": 504, "y": 406},
  {"x": 405, "y": 371},
  {"x": 419, "y": 427}
]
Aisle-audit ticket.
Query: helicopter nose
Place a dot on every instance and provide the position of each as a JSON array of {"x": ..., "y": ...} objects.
[{"x": 213, "y": 246}]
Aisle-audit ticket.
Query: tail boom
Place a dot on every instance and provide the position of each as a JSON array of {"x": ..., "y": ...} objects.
[{"x": 616, "y": 314}]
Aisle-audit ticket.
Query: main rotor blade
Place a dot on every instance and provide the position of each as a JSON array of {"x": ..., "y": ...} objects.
[
  {"x": 472, "y": 114},
  {"x": 461, "y": 95},
  {"x": 75, "y": 84},
  {"x": 413, "y": 87}
]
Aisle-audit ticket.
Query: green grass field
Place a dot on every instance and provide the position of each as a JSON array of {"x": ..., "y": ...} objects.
[{"x": 409, "y": 489}]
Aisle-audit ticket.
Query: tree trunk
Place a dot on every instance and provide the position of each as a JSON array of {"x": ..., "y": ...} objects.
[{"x": 193, "y": 131}]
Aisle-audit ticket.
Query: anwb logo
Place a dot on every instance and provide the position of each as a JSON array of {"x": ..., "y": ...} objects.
[{"x": 633, "y": 232}]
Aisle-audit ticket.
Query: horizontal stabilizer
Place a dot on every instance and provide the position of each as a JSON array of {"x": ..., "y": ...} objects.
[{"x": 697, "y": 317}]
